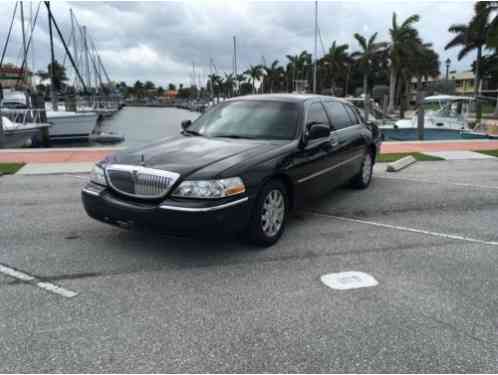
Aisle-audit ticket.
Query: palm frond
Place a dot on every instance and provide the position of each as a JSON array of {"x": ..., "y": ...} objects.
[
  {"x": 361, "y": 41},
  {"x": 409, "y": 21}
]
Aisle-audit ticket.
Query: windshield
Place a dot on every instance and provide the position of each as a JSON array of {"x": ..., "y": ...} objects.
[{"x": 249, "y": 119}]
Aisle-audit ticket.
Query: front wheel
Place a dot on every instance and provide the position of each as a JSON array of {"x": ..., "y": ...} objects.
[
  {"x": 269, "y": 214},
  {"x": 364, "y": 176}
]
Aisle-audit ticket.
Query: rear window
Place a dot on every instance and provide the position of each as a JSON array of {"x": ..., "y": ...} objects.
[{"x": 338, "y": 115}]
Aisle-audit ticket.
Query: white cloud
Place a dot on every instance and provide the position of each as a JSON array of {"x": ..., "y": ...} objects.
[{"x": 159, "y": 41}]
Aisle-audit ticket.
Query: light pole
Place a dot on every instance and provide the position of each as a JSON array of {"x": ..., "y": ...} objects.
[{"x": 448, "y": 63}]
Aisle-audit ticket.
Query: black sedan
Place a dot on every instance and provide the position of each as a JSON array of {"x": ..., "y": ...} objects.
[{"x": 239, "y": 167}]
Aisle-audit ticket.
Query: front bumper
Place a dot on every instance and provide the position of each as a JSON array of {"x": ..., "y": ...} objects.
[{"x": 171, "y": 215}]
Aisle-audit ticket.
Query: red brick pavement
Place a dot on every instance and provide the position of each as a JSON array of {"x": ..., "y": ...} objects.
[{"x": 94, "y": 154}]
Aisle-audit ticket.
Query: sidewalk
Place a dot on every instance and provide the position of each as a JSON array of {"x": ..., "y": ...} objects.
[{"x": 82, "y": 155}]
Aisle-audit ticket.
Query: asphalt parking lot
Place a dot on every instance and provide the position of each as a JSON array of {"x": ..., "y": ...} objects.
[{"x": 146, "y": 302}]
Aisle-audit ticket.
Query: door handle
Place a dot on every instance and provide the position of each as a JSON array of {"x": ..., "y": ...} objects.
[{"x": 334, "y": 141}]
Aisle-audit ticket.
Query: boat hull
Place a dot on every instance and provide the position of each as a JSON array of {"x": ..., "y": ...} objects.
[
  {"x": 410, "y": 134},
  {"x": 71, "y": 125},
  {"x": 19, "y": 137}
]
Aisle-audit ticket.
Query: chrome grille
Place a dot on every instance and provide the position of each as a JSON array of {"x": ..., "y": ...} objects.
[{"x": 140, "y": 182}]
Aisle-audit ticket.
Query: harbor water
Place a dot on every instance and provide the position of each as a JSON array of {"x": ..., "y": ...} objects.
[{"x": 142, "y": 125}]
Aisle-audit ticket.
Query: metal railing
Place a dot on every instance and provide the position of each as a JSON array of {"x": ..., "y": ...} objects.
[{"x": 25, "y": 116}]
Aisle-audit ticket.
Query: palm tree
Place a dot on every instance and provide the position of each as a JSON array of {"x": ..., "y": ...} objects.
[
  {"x": 274, "y": 74},
  {"x": 369, "y": 50},
  {"x": 239, "y": 79},
  {"x": 216, "y": 85},
  {"x": 254, "y": 72},
  {"x": 297, "y": 65},
  {"x": 337, "y": 59},
  {"x": 403, "y": 39},
  {"x": 470, "y": 37},
  {"x": 229, "y": 84}
]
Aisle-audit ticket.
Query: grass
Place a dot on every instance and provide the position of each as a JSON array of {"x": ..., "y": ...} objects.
[
  {"x": 10, "y": 168},
  {"x": 489, "y": 152},
  {"x": 388, "y": 158}
]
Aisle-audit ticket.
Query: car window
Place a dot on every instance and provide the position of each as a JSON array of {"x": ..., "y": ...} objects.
[
  {"x": 338, "y": 115},
  {"x": 316, "y": 113},
  {"x": 252, "y": 119},
  {"x": 352, "y": 114}
]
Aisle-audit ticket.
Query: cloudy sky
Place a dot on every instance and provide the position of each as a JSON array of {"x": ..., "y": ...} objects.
[{"x": 159, "y": 41}]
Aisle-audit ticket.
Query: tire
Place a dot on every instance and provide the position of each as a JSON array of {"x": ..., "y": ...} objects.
[
  {"x": 362, "y": 179},
  {"x": 266, "y": 229}
]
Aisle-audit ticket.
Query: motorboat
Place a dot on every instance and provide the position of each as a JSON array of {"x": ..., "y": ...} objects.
[
  {"x": 18, "y": 134},
  {"x": 446, "y": 117},
  {"x": 66, "y": 125}
]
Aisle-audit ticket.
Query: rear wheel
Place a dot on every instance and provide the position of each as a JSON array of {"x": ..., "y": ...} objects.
[
  {"x": 364, "y": 176},
  {"x": 269, "y": 214}
]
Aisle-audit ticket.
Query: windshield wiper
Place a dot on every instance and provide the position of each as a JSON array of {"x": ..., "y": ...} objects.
[{"x": 192, "y": 132}]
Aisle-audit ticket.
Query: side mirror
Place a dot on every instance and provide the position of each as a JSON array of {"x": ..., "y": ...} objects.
[
  {"x": 317, "y": 130},
  {"x": 186, "y": 124}
]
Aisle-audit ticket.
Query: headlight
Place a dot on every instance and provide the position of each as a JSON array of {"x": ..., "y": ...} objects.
[
  {"x": 210, "y": 189},
  {"x": 98, "y": 176}
]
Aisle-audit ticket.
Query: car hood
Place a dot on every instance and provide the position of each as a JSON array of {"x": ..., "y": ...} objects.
[{"x": 189, "y": 154}]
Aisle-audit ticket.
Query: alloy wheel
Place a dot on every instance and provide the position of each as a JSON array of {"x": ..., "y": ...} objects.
[{"x": 272, "y": 213}]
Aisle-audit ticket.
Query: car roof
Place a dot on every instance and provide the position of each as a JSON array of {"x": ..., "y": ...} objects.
[{"x": 289, "y": 98}]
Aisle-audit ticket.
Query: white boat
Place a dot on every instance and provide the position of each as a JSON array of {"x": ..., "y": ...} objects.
[
  {"x": 446, "y": 117},
  {"x": 19, "y": 135},
  {"x": 65, "y": 125},
  {"x": 71, "y": 125}
]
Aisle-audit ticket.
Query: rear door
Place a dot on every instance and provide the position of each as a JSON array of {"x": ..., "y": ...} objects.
[
  {"x": 348, "y": 132},
  {"x": 314, "y": 165}
]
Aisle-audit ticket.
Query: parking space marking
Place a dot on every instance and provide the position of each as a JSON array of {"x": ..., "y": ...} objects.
[
  {"x": 477, "y": 186},
  {"x": 52, "y": 288},
  {"x": 56, "y": 289},
  {"x": 348, "y": 280},
  {"x": 407, "y": 229},
  {"x": 15, "y": 274}
]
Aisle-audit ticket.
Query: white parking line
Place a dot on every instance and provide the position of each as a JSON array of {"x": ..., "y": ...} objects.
[
  {"x": 408, "y": 229},
  {"x": 57, "y": 289},
  {"x": 16, "y": 274},
  {"x": 34, "y": 281},
  {"x": 477, "y": 186}
]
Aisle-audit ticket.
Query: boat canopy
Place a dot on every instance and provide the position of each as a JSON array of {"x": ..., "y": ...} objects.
[{"x": 447, "y": 98}]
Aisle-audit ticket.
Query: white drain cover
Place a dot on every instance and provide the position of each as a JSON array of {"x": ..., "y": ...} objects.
[{"x": 348, "y": 280}]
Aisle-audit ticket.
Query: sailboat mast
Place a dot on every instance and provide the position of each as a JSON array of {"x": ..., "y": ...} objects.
[
  {"x": 235, "y": 63},
  {"x": 53, "y": 92},
  {"x": 23, "y": 39},
  {"x": 315, "y": 57},
  {"x": 87, "y": 62},
  {"x": 73, "y": 32}
]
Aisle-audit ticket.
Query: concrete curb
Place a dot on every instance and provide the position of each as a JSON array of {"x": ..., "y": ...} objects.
[{"x": 400, "y": 164}]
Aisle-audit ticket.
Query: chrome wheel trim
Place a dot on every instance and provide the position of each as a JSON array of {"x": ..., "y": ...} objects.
[
  {"x": 272, "y": 213},
  {"x": 366, "y": 172}
]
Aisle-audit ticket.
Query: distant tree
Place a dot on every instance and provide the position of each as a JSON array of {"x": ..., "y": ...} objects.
[
  {"x": 239, "y": 78},
  {"x": 337, "y": 59},
  {"x": 296, "y": 67},
  {"x": 472, "y": 36},
  {"x": 160, "y": 91},
  {"x": 59, "y": 74},
  {"x": 255, "y": 72},
  {"x": 229, "y": 84},
  {"x": 138, "y": 89},
  {"x": 149, "y": 85},
  {"x": 369, "y": 49},
  {"x": 171, "y": 87},
  {"x": 273, "y": 75},
  {"x": 404, "y": 37}
]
